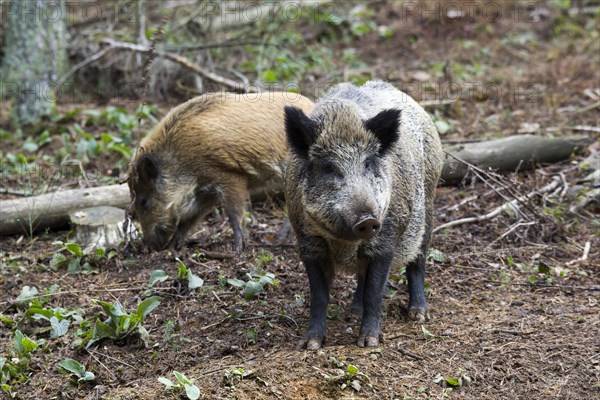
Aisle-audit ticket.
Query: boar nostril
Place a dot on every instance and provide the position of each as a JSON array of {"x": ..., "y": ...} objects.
[{"x": 366, "y": 229}]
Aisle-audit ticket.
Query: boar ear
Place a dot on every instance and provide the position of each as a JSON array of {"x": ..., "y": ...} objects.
[
  {"x": 301, "y": 131},
  {"x": 385, "y": 126},
  {"x": 147, "y": 169}
]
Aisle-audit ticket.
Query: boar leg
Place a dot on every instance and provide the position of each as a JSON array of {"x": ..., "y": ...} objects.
[
  {"x": 357, "y": 302},
  {"x": 234, "y": 196},
  {"x": 374, "y": 286},
  {"x": 320, "y": 274},
  {"x": 415, "y": 274}
]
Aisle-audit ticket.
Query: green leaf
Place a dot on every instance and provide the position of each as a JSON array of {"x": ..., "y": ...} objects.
[
  {"x": 236, "y": 282},
  {"x": 192, "y": 391},
  {"x": 30, "y": 146},
  {"x": 453, "y": 382},
  {"x": 181, "y": 378},
  {"x": 72, "y": 366},
  {"x": 266, "y": 280},
  {"x": 442, "y": 126},
  {"x": 121, "y": 149},
  {"x": 57, "y": 261},
  {"x": 146, "y": 306},
  {"x": 107, "y": 307},
  {"x": 27, "y": 293},
  {"x": 543, "y": 268},
  {"x": 269, "y": 76},
  {"x": 168, "y": 383},
  {"x": 158, "y": 275},
  {"x": 252, "y": 290},
  {"x": 88, "y": 376},
  {"x": 427, "y": 334},
  {"x": 7, "y": 321},
  {"x": 101, "y": 331},
  {"x": 37, "y": 313},
  {"x": 194, "y": 281},
  {"x": 74, "y": 266},
  {"x": 352, "y": 370},
  {"x": 59, "y": 328},
  {"x": 23, "y": 344},
  {"x": 436, "y": 255},
  {"x": 144, "y": 335},
  {"x": 182, "y": 271},
  {"x": 74, "y": 249}
]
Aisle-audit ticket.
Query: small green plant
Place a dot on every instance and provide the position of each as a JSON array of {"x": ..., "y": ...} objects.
[
  {"x": 251, "y": 336},
  {"x": 78, "y": 260},
  {"x": 15, "y": 369},
  {"x": 156, "y": 276},
  {"x": 349, "y": 378},
  {"x": 448, "y": 382},
  {"x": 77, "y": 370},
  {"x": 426, "y": 334},
  {"x": 436, "y": 255},
  {"x": 191, "y": 391},
  {"x": 58, "y": 319},
  {"x": 234, "y": 375},
  {"x": 264, "y": 257},
  {"x": 119, "y": 325},
  {"x": 255, "y": 283},
  {"x": 186, "y": 274}
]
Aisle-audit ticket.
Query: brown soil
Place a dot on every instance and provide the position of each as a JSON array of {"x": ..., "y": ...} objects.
[{"x": 511, "y": 309}]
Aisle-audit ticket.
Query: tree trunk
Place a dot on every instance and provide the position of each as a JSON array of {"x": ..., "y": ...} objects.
[{"x": 34, "y": 56}]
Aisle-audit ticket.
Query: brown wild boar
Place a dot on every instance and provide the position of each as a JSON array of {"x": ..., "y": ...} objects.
[
  {"x": 360, "y": 185},
  {"x": 209, "y": 150}
]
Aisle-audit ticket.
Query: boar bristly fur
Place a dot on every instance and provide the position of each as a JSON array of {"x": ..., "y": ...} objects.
[
  {"x": 209, "y": 150},
  {"x": 360, "y": 185}
]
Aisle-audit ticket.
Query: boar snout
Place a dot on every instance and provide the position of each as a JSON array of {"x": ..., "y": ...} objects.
[
  {"x": 157, "y": 239},
  {"x": 366, "y": 228}
]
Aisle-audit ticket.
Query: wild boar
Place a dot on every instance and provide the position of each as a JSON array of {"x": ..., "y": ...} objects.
[
  {"x": 209, "y": 150},
  {"x": 360, "y": 185}
]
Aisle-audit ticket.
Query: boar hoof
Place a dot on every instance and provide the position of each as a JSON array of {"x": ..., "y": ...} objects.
[
  {"x": 310, "y": 343},
  {"x": 418, "y": 314},
  {"x": 368, "y": 341}
]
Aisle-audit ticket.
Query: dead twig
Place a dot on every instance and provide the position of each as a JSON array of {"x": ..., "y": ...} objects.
[
  {"x": 586, "y": 252},
  {"x": 498, "y": 210},
  {"x": 113, "y": 44},
  {"x": 544, "y": 286},
  {"x": 82, "y": 64},
  {"x": 409, "y": 354},
  {"x": 513, "y": 228},
  {"x": 215, "y": 324},
  {"x": 512, "y": 332}
]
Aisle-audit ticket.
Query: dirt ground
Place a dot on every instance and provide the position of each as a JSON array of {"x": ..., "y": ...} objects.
[{"x": 515, "y": 312}]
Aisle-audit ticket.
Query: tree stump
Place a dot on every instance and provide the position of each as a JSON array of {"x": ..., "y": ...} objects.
[{"x": 98, "y": 226}]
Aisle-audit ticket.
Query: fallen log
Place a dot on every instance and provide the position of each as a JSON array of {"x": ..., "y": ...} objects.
[
  {"x": 521, "y": 152},
  {"x": 31, "y": 214}
]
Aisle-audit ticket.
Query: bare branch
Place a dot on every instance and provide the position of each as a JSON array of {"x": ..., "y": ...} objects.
[{"x": 498, "y": 210}]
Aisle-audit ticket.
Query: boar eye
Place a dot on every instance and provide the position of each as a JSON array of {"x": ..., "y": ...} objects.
[
  {"x": 144, "y": 203},
  {"x": 327, "y": 167},
  {"x": 370, "y": 162}
]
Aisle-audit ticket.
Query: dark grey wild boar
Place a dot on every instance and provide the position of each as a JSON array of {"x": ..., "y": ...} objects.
[
  {"x": 359, "y": 187},
  {"x": 209, "y": 150}
]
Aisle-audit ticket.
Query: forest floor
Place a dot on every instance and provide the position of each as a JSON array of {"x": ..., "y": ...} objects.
[{"x": 515, "y": 307}]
